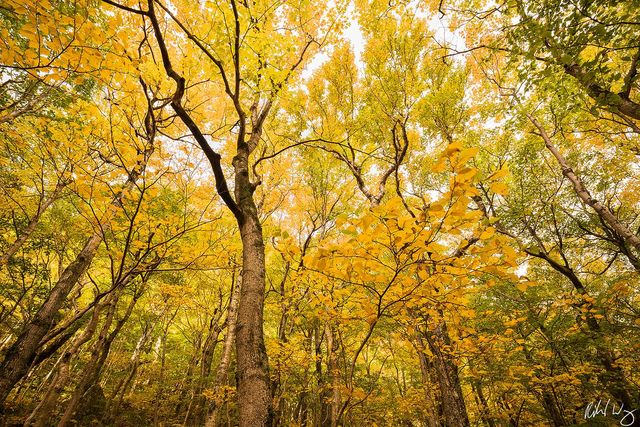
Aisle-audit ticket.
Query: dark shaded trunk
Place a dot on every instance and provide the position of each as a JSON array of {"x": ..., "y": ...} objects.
[
  {"x": 41, "y": 415},
  {"x": 453, "y": 404},
  {"x": 23, "y": 351},
  {"x": 21, "y": 354}
]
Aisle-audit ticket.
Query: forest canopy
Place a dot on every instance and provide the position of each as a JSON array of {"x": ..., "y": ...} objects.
[{"x": 308, "y": 213}]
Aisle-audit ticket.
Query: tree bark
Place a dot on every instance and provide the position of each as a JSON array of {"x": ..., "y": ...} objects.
[
  {"x": 453, "y": 404},
  {"x": 198, "y": 413},
  {"x": 426, "y": 372},
  {"x": 24, "y": 349},
  {"x": 122, "y": 388},
  {"x": 331, "y": 413},
  {"x": 254, "y": 391},
  {"x": 101, "y": 349}
]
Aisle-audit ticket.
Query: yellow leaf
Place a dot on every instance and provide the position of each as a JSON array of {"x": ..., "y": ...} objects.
[
  {"x": 487, "y": 233},
  {"x": 500, "y": 173},
  {"x": 452, "y": 148},
  {"x": 499, "y": 188}
]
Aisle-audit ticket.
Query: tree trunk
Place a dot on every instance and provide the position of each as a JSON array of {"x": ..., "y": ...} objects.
[
  {"x": 453, "y": 405},
  {"x": 41, "y": 415},
  {"x": 123, "y": 386},
  {"x": 254, "y": 391},
  {"x": 222, "y": 371},
  {"x": 163, "y": 353},
  {"x": 618, "y": 102},
  {"x": 91, "y": 372},
  {"x": 23, "y": 351},
  {"x": 199, "y": 407},
  {"x": 331, "y": 412},
  {"x": 548, "y": 399},
  {"x": 427, "y": 380},
  {"x": 186, "y": 386}
]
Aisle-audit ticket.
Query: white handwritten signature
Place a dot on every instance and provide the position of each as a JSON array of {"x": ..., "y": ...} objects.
[{"x": 595, "y": 409}]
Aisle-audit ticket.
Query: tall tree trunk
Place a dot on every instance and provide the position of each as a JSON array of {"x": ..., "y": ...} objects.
[
  {"x": 24, "y": 349},
  {"x": 222, "y": 373},
  {"x": 548, "y": 399},
  {"x": 186, "y": 386},
  {"x": 198, "y": 412},
  {"x": 254, "y": 391},
  {"x": 483, "y": 405},
  {"x": 92, "y": 371},
  {"x": 426, "y": 372},
  {"x": 453, "y": 404},
  {"x": 331, "y": 412},
  {"x": 122, "y": 388},
  {"x": 163, "y": 353}
]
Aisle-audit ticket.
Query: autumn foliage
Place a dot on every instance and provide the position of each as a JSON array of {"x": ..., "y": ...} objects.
[{"x": 346, "y": 213}]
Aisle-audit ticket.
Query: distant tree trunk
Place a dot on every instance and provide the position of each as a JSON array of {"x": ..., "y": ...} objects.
[
  {"x": 186, "y": 386},
  {"x": 549, "y": 401},
  {"x": 91, "y": 373},
  {"x": 324, "y": 413},
  {"x": 483, "y": 405},
  {"x": 278, "y": 400},
  {"x": 223, "y": 367},
  {"x": 123, "y": 387},
  {"x": 199, "y": 410},
  {"x": 163, "y": 352},
  {"x": 426, "y": 371},
  {"x": 332, "y": 410}
]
